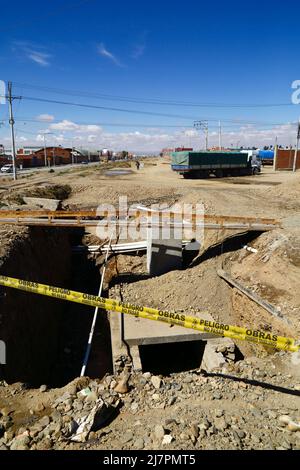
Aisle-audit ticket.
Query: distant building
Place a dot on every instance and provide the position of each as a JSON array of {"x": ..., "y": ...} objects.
[
  {"x": 43, "y": 156},
  {"x": 85, "y": 155},
  {"x": 28, "y": 150},
  {"x": 30, "y": 157},
  {"x": 53, "y": 156},
  {"x": 4, "y": 159},
  {"x": 166, "y": 152},
  {"x": 183, "y": 149},
  {"x": 5, "y": 151}
]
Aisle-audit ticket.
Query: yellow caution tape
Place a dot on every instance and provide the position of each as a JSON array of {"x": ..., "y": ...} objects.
[{"x": 220, "y": 329}]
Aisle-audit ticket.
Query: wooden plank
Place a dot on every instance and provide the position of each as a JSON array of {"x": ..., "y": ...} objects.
[
  {"x": 84, "y": 222},
  {"x": 94, "y": 213}
]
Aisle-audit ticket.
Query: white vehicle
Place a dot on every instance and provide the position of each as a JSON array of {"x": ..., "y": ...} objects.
[{"x": 8, "y": 168}]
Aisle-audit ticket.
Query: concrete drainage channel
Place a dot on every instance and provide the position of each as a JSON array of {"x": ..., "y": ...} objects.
[
  {"x": 46, "y": 338},
  {"x": 154, "y": 346}
]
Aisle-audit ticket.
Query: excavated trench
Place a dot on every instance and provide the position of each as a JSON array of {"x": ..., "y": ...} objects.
[{"x": 46, "y": 338}]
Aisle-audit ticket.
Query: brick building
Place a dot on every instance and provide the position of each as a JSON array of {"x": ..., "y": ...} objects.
[
  {"x": 54, "y": 156},
  {"x": 284, "y": 159}
]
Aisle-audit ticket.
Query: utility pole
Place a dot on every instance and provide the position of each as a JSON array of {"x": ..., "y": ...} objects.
[
  {"x": 297, "y": 146},
  {"x": 12, "y": 122},
  {"x": 203, "y": 125},
  {"x": 275, "y": 153},
  {"x": 72, "y": 153},
  {"x": 45, "y": 151},
  {"x": 220, "y": 136}
]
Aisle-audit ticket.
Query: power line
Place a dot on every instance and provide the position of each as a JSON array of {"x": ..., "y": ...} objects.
[
  {"x": 112, "y": 124},
  {"x": 122, "y": 124},
  {"x": 135, "y": 111},
  {"x": 106, "y": 108},
  {"x": 154, "y": 101},
  {"x": 25, "y": 132},
  {"x": 140, "y": 125}
]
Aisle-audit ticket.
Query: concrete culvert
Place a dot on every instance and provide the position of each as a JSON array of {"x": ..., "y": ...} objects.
[{"x": 168, "y": 358}]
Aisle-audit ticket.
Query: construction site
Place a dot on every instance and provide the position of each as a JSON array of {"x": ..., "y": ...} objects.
[
  {"x": 149, "y": 232},
  {"x": 161, "y": 342}
]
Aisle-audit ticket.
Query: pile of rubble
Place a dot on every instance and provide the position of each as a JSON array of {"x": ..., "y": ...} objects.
[{"x": 241, "y": 406}]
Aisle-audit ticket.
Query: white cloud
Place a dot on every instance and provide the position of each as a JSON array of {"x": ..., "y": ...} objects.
[
  {"x": 90, "y": 128},
  {"x": 51, "y": 138},
  {"x": 66, "y": 125},
  {"x": 45, "y": 117},
  {"x": 109, "y": 55},
  {"x": 39, "y": 58},
  {"x": 35, "y": 53},
  {"x": 60, "y": 139},
  {"x": 153, "y": 140}
]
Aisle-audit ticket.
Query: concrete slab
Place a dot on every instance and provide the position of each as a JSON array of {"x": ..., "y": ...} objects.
[
  {"x": 164, "y": 252},
  {"x": 128, "y": 333},
  {"x": 139, "y": 331}
]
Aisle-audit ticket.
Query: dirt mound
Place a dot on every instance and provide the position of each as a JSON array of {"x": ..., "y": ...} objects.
[
  {"x": 273, "y": 272},
  {"x": 48, "y": 191}
]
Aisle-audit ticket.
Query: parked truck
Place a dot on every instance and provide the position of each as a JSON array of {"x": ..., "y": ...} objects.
[
  {"x": 202, "y": 164},
  {"x": 266, "y": 157}
]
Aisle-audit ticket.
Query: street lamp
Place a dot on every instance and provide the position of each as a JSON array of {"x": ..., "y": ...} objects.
[{"x": 297, "y": 146}]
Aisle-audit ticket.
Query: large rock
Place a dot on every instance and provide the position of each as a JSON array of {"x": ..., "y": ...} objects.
[
  {"x": 122, "y": 385},
  {"x": 212, "y": 359},
  {"x": 159, "y": 431},
  {"x": 43, "y": 203},
  {"x": 216, "y": 352},
  {"x": 20, "y": 442},
  {"x": 156, "y": 381}
]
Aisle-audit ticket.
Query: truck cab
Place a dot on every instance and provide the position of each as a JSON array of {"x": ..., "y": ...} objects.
[{"x": 254, "y": 160}]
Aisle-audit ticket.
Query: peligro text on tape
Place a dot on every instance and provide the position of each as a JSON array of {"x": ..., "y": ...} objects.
[{"x": 180, "y": 319}]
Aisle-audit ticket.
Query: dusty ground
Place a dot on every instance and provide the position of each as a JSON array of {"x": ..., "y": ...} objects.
[{"x": 206, "y": 411}]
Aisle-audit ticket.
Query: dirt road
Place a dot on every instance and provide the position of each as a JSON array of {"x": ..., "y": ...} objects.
[{"x": 197, "y": 411}]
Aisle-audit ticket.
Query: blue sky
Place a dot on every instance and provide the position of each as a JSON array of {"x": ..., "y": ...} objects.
[{"x": 225, "y": 53}]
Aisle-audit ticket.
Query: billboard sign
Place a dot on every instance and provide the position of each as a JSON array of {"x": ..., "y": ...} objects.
[{"x": 2, "y": 92}]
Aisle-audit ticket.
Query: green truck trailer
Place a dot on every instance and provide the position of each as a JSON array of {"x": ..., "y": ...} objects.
[{"x": 206, "y": 163}]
